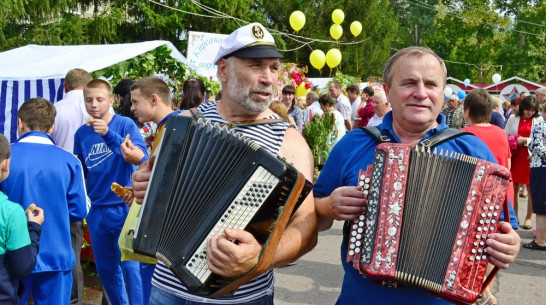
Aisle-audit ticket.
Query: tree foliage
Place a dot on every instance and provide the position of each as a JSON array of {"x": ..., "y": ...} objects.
[
  {"x": 524, "y": 50},
  {"x": 476, "y": 40},
  {"x": 363, "y": 58},
  {"x": 466, "y": 30}
]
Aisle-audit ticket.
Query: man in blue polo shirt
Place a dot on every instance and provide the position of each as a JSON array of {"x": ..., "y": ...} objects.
[{"x": 414, "y": 81}]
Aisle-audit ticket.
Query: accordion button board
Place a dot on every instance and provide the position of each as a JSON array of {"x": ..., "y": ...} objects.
[
  {"x": 427, "y": 220},
  {"x": 238, "y": 215}
]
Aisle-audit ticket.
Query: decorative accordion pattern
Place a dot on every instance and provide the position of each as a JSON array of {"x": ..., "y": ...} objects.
[
  {"x": 207, "y": 178},
  {"x": 428, "y": 217}
]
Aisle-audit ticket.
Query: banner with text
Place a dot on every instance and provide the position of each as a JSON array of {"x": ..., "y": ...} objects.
[{"x": 202, "y": 48}]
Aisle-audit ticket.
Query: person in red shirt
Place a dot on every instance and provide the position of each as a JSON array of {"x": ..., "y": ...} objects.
[
  {"x": 365, "y": 111},
  {"x": 478, "y": 106}
]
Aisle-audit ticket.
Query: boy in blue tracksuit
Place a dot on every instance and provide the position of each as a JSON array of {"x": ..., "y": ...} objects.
[
  {"x": 97, "y": 144},
  {"x": 42, "y": 173},
  {"x": 19, "y": 240}
]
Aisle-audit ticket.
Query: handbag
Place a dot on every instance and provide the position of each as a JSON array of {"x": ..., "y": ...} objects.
[
  {"x": 126, "y": 237},
  {"x": 513, "y": 143}
]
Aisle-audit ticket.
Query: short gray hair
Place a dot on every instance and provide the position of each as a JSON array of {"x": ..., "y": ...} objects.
[
  {"x": 406, "y": 52},
  {"x": 229, "y": 64},
  {"x": 312, "y": 95},
  {"x": 382, "y": 97}
]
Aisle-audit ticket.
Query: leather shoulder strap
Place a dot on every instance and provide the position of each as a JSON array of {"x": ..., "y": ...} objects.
[
  {"x": 195, "y": 114},
  {"x": 442, "y": 136},
  {"x": 375, "y": 133},
  {"x": 437, "y": 138}
]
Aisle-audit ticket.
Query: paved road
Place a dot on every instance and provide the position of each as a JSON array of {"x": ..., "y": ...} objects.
[{"x": 316, "y": 278}]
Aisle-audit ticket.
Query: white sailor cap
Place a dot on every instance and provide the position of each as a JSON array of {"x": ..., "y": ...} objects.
[{"x": 249, "y": 41}]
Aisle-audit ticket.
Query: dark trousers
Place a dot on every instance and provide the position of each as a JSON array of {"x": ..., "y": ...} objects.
[{"x": 76, "y": 232}]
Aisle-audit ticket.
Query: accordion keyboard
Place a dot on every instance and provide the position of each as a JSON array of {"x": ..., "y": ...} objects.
[{"x": 237, "y": 215}]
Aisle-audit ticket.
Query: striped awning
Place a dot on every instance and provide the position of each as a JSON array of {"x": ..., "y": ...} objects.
[{"x": 14, "y": 92}]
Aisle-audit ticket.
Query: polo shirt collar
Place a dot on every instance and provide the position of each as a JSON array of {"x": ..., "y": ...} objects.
[{"x": 387, "y": 129}]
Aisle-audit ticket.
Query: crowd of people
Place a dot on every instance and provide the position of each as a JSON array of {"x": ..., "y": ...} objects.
[{"x": 68, "y": 155}]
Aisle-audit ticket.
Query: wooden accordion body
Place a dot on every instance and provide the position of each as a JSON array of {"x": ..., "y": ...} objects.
[
  {"x": 427, "y": 221},
  {"x": 207, "y": 178}
]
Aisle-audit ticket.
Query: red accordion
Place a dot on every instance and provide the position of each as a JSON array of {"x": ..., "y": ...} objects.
[{"x": 428, "y": 217}]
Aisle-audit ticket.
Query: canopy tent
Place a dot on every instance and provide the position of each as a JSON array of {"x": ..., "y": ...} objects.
[
  {"x": 506, "y": 89},
  {"x": 39, "y": 71}
]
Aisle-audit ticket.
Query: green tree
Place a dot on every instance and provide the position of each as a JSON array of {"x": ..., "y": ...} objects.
[
  {"x": 513, "y": 8},
  {"x": 61, "y": 22},
  {"x": 466, "y": 35},
  {"x": 416, "y": 19},
  {"x": 114, "y": 21},
  {"x": 523, "y": 52},
  {"x": 477, "y": 41},
  {"x": 505, "y": 36},
  {"x": 117, "y": 21},
  {"x": 365, "y": 59}
]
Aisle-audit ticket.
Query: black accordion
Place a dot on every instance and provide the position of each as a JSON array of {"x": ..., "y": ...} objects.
[
  {"x": 428, "y": 217},
  {"x": 207, "y": 177}
]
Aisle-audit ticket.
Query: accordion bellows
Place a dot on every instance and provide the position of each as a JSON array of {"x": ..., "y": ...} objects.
[
  {"x": 428, "y": 217},
  {"x": 208, "y": 177}
]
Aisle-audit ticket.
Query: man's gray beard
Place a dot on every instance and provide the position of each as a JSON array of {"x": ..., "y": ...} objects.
[{"x": 241, "y": 95}]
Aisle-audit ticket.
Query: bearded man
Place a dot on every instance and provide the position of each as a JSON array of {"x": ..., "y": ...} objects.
[{"x": 248, "y": 68}]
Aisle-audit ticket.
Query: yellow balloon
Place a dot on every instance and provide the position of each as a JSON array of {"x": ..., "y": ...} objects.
[
  {"x": 317, "y": 59},
  {"x": 333, "y": 58},
  {"x": 356, "y": 28},
  {"x": 297, "y": 20},
  {"x": 301, "y": 90},
  {"x": 338, "y": 16},
  {"x": 335, "y": 31}
]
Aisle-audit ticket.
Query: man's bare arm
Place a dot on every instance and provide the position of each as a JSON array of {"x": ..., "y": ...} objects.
[{"x": 300, "y": 235}]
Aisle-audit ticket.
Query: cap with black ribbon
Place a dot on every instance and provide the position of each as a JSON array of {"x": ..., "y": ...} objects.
[{"x": 249, "y": 41}]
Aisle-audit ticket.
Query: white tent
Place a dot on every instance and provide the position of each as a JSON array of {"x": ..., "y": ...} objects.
[{"x": 39, "y": 71}]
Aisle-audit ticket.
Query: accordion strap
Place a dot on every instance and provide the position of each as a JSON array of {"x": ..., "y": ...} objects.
[
  {"x": 437, "y": 138},
  {"x": 195, "y": 114}
]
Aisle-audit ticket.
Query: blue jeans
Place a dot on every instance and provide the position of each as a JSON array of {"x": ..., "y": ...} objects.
[
  {"x": 146, "y": 273},
  {"x": 160, "y": 297}
]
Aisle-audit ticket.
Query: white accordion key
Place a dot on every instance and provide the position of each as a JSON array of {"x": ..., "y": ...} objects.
[{"x": 237, "y": 215}]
